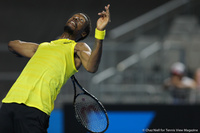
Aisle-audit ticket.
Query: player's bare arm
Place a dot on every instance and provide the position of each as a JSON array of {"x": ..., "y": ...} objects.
[
  {"x": 90, "y": 59},
  {"x": 23, "y": 49}
]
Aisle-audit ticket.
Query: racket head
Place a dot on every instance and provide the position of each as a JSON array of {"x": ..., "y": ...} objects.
[{"x": 91, "y": 113}]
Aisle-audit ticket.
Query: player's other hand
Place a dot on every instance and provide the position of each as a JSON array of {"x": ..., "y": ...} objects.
[{"x": 104, "y": 18}]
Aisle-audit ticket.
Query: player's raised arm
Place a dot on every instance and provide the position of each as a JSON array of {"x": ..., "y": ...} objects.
[
  {"x": 22, "y": 49},
  {"x": 91, "y": 59},
  {"x": 104, "y": 19}
]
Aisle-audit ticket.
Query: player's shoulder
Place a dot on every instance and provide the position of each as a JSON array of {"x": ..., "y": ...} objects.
[
  {"x": 81, "y": 43},
  {"x": 82, "y": 46}
]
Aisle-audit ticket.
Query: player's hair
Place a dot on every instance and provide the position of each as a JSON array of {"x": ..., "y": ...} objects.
[{"x": 87, "y": 28}]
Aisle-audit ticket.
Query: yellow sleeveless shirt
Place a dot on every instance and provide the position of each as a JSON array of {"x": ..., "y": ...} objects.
[{"x": 42, "y": 78}]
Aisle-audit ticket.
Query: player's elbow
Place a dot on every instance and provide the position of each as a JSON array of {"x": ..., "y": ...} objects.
[
  {"x": 12, "y": 44},
  {"x": 92, "y": 70},
  {"x": 12, "y": 47}
]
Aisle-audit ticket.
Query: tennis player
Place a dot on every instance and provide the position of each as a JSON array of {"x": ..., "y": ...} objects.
[{"x": 30, "y": 101}]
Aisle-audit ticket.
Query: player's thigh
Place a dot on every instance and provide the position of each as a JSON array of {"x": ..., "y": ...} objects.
[
  {"x": 6, "y": 123},
  {"x": 30, "y": 120}
]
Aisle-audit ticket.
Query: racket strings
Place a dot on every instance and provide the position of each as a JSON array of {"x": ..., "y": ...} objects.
[{"x": 90, "y": 113}]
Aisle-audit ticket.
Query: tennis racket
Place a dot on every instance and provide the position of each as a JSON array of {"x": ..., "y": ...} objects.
[{"x": 89, "y": 111}]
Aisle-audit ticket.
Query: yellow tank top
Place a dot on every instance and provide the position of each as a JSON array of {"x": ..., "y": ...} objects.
[{"x": 42, "y": 78}]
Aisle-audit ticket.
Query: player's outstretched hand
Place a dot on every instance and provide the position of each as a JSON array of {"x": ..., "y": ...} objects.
[{"x": 104, "y": 18}]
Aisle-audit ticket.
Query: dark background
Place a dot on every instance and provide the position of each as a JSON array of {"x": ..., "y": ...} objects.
[{"x": 43, "y": 20}]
